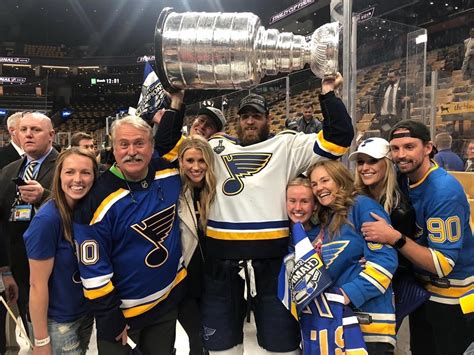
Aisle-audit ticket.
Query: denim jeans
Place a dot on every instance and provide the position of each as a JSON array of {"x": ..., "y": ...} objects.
[{"x": 70, "y": 338}]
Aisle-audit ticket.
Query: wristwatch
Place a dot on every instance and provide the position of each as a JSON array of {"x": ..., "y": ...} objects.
[{"x": 400, "y": 242}]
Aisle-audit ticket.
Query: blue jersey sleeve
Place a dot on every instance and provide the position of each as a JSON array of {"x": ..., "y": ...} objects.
[
  {"x": 94, "y": 247},
  {"x": 337, "y": 133},
  {"x": 43, "y": 234},
  {"x": 381, "y": 260},
  {"x": 445, "y": 218}
]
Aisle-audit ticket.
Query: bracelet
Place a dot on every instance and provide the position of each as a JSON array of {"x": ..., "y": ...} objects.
[
  {"x": 43, "y": 342},
  {"x": 7, "y": 273}
]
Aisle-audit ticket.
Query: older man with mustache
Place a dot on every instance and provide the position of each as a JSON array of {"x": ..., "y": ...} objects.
[{"x": 129, "y": 250}]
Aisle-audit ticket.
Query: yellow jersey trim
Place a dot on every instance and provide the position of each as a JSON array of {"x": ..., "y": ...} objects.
[
  {"x": 106, "y": 204},
  {"x": 328, "y": 146},
  {"x": 99, "y": 292},
  {"x": 136, "y": 311},
  {"x": 278, "y": 234},
  {"x": 172, "y": 155},
  {"x": 433, "y": 168}
]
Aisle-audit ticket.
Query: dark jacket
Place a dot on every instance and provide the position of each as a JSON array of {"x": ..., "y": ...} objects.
[
  {"x": 8, "y": 154},
  {"x": 12, "y": 247},
  {"x": 380, "y": 95}
]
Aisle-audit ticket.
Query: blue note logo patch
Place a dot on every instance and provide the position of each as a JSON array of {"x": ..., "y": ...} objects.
[
  {"x": 156, "y": 229},
  {"x": 208, "y": 332},
  {"x": 330, "y": 251},
  {"x": 240, "y": 166}
]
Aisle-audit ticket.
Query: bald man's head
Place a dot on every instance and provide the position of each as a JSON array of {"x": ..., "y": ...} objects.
[{"x": 36, "y": 134}]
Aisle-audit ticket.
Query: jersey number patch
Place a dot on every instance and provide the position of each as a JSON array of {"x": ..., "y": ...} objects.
[{"x": 441, "y": 230}]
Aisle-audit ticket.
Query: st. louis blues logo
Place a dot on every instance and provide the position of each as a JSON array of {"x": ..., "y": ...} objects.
[
  {"x": 364, "y": 143},
  {"x": 241, "y": 165},
  {"x": 76, "y": 278},
  {"x": 156, "y": 229},
  {"x": 208, "y": 332},
  {"x": 331, "y": 251}
]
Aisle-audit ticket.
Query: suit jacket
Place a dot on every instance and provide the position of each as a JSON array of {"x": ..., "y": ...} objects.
[
  {"x": 8, "y": 154},
  {"x": 11, "y": 238},
  {"x": 380, "y": 95}
]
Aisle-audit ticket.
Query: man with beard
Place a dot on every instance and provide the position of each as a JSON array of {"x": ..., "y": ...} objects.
[
  {"x": 443, "y": 255},
  {"x": 247, "y": 231}
]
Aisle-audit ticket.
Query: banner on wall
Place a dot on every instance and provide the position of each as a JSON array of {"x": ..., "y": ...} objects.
[
  {"x": 455, "y": 108},
  {"x": 12, "y": 79},
  {"x": 365, "y": 15},
  {"x": 291, "y": 10},
  {"x": 14, "y": 60},
  {"x": 146, "y": 58}
]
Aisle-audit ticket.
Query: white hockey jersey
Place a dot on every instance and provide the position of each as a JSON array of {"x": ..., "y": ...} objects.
[{"x": 248, "y": 218}]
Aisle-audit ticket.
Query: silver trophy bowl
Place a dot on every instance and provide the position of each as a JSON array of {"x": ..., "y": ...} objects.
[{"x": 199, "y": 50}]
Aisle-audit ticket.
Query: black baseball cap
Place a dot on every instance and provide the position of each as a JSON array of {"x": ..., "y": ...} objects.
[
  {"x": 415, "y": 130},
  {"x": 215, "y": 114},
  {"x": 253, "y": 100}
]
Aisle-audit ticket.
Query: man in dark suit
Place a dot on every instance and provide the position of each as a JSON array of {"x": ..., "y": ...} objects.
[
  {"x": 12, "y": 151},
  {"x": 19, "y": 203},
  {"x": 392, "y": 102}
]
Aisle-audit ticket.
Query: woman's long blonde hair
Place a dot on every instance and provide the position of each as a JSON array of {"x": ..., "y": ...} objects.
[
  {"x": 335, "y": 216},
  {"x": 57, "y": 193},
  {"x": 208, "y": 191},
  {"x": 390, "y": 195}
]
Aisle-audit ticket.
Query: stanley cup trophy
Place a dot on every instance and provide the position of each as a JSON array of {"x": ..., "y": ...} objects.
[{"x": 198, "y": 50}]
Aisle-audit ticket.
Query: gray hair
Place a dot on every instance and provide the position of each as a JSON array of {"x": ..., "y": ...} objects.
[
  {"x": 443, "y": 141},
  {"x": 14, "y": 120},
  {"x": 133, "y": 121}
]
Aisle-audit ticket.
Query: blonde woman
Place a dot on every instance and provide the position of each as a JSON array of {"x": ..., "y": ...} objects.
[
  {"x": 376, "y": 177},
  {"x": 196, "y": 166},
  {"x": 62, "y": 323}
]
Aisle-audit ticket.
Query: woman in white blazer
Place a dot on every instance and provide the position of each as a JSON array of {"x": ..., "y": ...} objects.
[{"x": 196, "y": 166}]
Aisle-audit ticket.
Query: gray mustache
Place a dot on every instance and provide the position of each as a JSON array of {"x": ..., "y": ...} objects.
[{"x": 129, "y": 158}]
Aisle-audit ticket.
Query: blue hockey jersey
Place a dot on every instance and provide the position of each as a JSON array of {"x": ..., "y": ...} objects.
[
  {"x": 443, "y": 213},
  {"x": 329, "y": 327},
  {"x": 369, "y": 286},
  {"x": 129, "y": 249}
]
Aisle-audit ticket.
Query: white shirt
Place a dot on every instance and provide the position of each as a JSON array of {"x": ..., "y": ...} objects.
[
  {"x": 17, "y": 148},
  {"x": 384, "y": 110}
]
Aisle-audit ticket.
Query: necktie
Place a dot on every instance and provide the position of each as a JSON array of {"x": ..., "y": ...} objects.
[
  {"x": 29, "y": 171},
  {"x": 390, "y": 99}
]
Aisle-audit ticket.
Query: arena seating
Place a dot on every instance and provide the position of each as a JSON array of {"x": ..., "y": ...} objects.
[
  {"x": 451, "y": 88},
  {"x": 33, "y": 50},
  {"x": 467, "y": 181}
]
